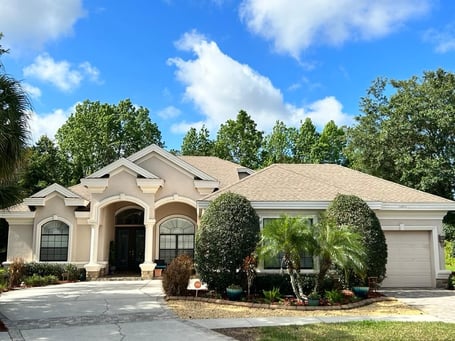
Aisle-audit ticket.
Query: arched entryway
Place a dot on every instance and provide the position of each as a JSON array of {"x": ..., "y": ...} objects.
[{"x": 129, "y": 242}]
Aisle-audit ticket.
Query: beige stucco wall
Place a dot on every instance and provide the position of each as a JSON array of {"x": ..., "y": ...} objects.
[
  {"x": 20, "y": 242},
  {"x": 81, "y": 244},
  {"x": 176, "y": 181}
]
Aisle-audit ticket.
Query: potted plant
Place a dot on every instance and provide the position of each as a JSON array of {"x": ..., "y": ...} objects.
[
  {"x": 234, "y": 292},
  {"x": 313, "y": 298}
]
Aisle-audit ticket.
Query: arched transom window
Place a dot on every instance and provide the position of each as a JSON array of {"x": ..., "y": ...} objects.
[
  {"x": 54, "y": 241},
  {"x": 176, "y": 237}
]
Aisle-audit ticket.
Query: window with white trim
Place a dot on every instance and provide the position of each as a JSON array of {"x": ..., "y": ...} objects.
[
  {"x": 176, "y": 238},
  {"x": 273, "y": 263},
  {"x": 54, "y": 241}
]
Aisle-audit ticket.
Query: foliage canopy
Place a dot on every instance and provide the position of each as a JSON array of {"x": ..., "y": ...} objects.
[
  {"x": 353, "y": 211},
  {"x": 228, "y": 232}
]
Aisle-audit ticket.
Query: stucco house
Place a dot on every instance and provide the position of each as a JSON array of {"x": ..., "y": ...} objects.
[{"x": 147, "y": 207}]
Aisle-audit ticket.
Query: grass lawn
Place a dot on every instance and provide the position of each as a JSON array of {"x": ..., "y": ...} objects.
[{"x": 365, "y": 330}]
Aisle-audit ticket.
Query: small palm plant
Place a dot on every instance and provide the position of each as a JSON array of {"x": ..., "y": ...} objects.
[{"x": 290, "y": 237}]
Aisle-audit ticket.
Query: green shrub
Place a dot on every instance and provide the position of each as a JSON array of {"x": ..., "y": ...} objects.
[
  {"x": 334, "y": 296},
  {"x": 72, "y": 270},
  {"x": 44, "y": 269},
  {"x": 269, "y": 281},
  {"x": 39, "y": 281},
  {"x": 16, "y": 272},
  {"x": 449, "y": 225},
  {"x": 229, "y": 231},
  {"x": 271, "y": 296},
  {"x": 353, "y": 211},
  {"x": 177, "y": 275}
]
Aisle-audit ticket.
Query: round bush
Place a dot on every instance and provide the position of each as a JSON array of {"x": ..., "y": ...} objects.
[
  {"x": 229, "y": 231},
  {"x": 352, "y": 210},
  {"x": 177, "y": 275}
]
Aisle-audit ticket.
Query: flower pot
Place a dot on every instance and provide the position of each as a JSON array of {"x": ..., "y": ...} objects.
[
  {"x": 234, "y": 294},
  {"x": 361, "y": 291},
  {"x": 313, "y": 302}
]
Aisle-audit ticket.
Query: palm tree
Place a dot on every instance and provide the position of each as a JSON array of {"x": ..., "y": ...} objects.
[
  {"x": 14, "y": 134},
  {"x": 338, "y": 246},
  {"x": 288, "y": 237}
]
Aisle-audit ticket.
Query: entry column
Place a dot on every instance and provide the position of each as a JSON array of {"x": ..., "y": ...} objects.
[
  {"x": 93, "y": 268},
  {"x": 148, "y": 266}
]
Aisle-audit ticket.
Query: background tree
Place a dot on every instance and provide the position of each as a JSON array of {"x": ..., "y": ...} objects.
[
  {"x": 278, "y": 145},
  {"x": 353, "y": 211},
  {"x": 45, "y": 166},
  {"x": 305, "y": 141},
  {"x": 197, "y": 143},
  {"x": 239, "y": 141},
  {"x": 330, "y": 144},
  {"x": 406, "y": 132},
  {"x": 98, "y": 134},
  {"x": 228, "y": 232}
]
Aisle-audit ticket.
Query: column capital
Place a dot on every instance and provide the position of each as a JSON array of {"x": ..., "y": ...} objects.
[{"x": 150, "y": 223}]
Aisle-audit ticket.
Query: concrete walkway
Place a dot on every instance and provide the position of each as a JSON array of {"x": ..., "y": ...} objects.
[{"x": 134, "y": 310}]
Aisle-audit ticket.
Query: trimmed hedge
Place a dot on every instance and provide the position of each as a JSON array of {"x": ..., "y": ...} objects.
[
  {"x": 229, "y": 231},
  {"x": 352, "y": 210}
]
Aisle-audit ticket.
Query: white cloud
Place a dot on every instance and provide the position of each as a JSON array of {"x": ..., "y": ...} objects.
[
  {"x": 169, "y": 112},
  {"x": 444, "y": 40},
  {"x": 33, "y": 91},
  {"x": 48, "y": 124},
  {"x": 60, "y": 74},
  {"x": 221, "y": 86},
  {"x": 294, "y": 25},
  {"x": 31, "y": 23}
]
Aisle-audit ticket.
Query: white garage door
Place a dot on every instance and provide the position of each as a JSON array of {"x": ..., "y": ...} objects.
[{"x": 409, "y": 259}]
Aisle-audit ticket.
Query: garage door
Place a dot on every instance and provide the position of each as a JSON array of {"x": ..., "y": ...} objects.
[{"x": 409, "y": 259}]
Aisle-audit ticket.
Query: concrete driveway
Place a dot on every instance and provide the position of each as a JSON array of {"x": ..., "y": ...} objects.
[
  {"x": 439, "y": 303},
  {"x": 117, "y": 310}
]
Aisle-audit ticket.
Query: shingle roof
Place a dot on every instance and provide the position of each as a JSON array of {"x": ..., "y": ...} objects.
[
  {"x": 225, "y": 172},
  {"x": 322, "y": 182}
]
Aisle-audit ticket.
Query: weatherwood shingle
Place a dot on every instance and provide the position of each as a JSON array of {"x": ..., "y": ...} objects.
[
  {"x": 322, "y": 182},
  {"x": 225, "y": 172}
]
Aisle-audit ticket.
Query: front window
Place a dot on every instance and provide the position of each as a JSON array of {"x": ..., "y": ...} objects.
[
  {"x": 54, "y": 241},
  {"x": 176, "y": 237},
  {"x": 273, "y": 263}
]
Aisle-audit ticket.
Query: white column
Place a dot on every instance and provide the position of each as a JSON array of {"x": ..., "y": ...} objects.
[
  {"x": 148, "y": 252},
  {"x": 148, "y": 266},
  {"x": 93, "y": 267},
  {"x": 94, "y": 244}
]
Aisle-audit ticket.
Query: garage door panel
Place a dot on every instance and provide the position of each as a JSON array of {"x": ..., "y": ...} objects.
[{"x": 409, "y": 259}]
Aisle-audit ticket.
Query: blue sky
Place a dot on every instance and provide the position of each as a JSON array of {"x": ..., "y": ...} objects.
[{"x": 194, "y": 62}]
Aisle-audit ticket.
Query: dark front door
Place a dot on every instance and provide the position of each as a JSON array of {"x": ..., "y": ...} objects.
[{"x": 130, "y": 244}]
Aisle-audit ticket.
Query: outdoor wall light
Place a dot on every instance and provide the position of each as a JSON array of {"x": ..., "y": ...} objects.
[{"x": 441, "y": 238}]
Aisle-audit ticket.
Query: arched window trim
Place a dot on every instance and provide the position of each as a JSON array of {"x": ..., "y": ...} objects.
[
  {"x": 131, "y": 207},
  {"x": 164, "y": 220},
  {"x": 37, "y": 248}
]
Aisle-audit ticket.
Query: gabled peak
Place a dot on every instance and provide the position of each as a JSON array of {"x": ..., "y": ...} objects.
[
  {"x": 153, "y": 149},
  {"x": 70, "y": 198},
  {"x": 65, "y": 192},
  {"x": 122, "y": 163}
]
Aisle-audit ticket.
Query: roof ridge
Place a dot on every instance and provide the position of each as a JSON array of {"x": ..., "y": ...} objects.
[{"x": 226, "y": 189}]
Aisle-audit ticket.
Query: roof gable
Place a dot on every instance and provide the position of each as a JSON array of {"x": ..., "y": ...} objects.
[
  {"x": 154, "y": 149},
  {"x": 122, "y": 163},
  {"x": 70, "y": 198}
]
